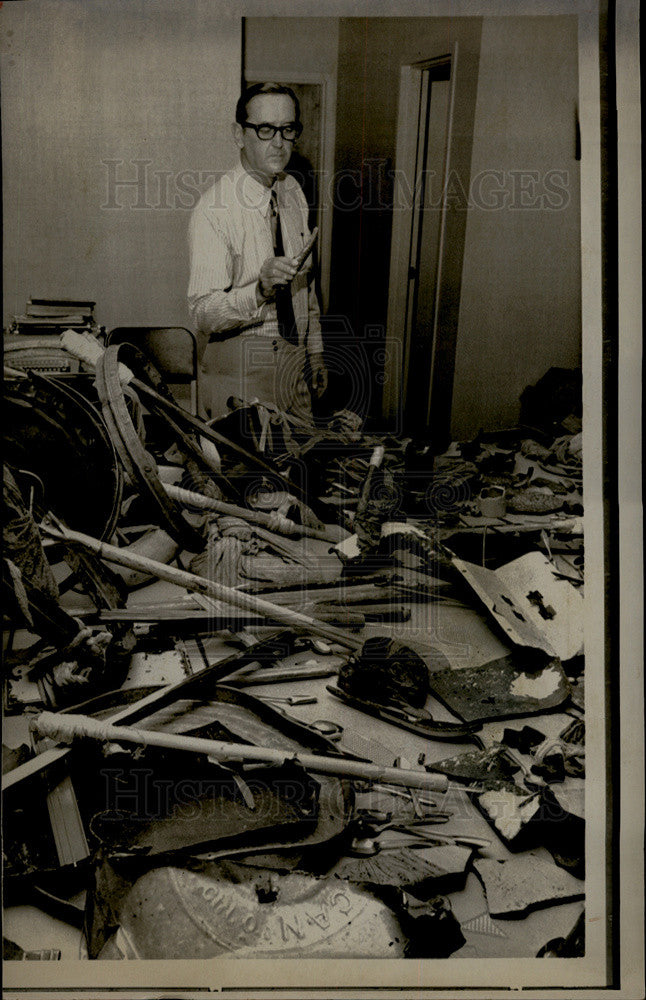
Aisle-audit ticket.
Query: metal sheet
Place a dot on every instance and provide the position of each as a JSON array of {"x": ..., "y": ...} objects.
[
  {"x": 514, "y": 886},
  {"x": 431, "y": 869},
  {"x": 193, "y": 811},
  {"x": 530, "y": 604},
  {"x": 501, "y": 688},
  {"x": 171, "y": 913}
]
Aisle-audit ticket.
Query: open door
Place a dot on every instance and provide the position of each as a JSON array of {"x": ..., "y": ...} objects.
[
  {"x": 428, "y": 223},
  {"x": 426, "y": 253}
]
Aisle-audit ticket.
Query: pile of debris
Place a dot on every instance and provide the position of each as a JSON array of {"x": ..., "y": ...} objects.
[{"x": 158, "y": 569}]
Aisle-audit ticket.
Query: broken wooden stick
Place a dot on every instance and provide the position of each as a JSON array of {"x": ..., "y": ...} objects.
[
  {"x": 201, "y": 585},
  {"x": 191, "y": 686},
  {"x": 64, "y": 728},
  {"x": 274, "y": 522}
]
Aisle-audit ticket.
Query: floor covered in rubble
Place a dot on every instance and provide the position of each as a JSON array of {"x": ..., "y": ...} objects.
[{"x": 348, "y": 676}]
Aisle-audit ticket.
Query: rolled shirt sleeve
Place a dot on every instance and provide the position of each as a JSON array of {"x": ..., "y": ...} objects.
[
  {"x": 215, "y": 303},
  {"x": 229, "y": 240}
]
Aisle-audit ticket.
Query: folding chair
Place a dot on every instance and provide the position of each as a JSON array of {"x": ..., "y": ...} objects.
[{"x": 172, "y": 349}]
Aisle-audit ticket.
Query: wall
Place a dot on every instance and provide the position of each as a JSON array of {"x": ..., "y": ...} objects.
[
  {"x": 521, "y": 284},
  {"x": 372, "y": 52},
  {"x": 519, "y": 308},
  {"x": 302, "y": 50},
  {"x": 89, "y": 81},
  {"x": 290, "y": 45}
]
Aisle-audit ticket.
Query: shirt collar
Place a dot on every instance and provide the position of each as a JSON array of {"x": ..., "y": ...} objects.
[{"x": 253, "y": 194}]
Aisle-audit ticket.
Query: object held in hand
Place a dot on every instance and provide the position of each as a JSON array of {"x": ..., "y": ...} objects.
[{"x": 305, "y": 252}]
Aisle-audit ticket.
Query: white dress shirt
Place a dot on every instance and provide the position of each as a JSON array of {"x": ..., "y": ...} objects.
[{"x": 230, "y": 237}]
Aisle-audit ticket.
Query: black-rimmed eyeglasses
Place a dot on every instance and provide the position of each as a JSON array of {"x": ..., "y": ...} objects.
[{"x": 264, "y": 131}]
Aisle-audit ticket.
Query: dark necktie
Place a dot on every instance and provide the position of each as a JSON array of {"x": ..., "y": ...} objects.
[{"x": 284, "y": 306}]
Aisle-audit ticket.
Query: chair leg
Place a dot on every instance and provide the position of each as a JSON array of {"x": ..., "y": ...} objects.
[{"x": 194, "y": 398}]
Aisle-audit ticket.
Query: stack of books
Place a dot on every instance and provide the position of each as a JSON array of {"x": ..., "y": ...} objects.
[{"x": 52, "y": 316}]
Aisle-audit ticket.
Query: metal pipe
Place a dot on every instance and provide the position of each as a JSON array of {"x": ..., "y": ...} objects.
[{"x": 66, "y": 727}]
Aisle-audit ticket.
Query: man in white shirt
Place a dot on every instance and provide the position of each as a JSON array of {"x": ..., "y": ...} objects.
[{"x": 256, "y": 315}]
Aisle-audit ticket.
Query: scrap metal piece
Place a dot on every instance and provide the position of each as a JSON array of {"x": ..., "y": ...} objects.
[
  {"x": 517, "y": 596},
  {"x": 227, "y": 814},
  {"x": 502, "y": 688},
  {"x": 411, "y": 720},
  {"x": 510, "y": 812},
  {"x": 524, "y": 883},
  {"x": 488, "y": 767},
  {"x": 171, "y": 913},
  {"x": 292, "y": 699},
  {"x": 67, "y": 825}
]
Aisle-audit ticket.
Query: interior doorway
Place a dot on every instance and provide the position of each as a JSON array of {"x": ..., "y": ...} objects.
[
  {"x": 427, "y": 232},
  {"x": 426, "y": 253}
]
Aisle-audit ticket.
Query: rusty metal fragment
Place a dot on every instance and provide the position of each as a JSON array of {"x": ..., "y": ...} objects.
[{"x": 524, "y": 684}]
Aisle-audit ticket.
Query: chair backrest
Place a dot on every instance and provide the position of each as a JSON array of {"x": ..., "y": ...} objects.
[{"x": 173, "y": 349}]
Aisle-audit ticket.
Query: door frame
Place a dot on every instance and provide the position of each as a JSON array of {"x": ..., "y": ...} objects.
[{"x": 404, "y": 226}]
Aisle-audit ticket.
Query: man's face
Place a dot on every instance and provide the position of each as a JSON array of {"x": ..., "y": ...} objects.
[{"x": 266, "y": 158}]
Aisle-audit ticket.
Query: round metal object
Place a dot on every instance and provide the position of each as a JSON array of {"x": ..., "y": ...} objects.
[
  {"x": 173, "y": 913},
  {"x": 54, "y": 432}
]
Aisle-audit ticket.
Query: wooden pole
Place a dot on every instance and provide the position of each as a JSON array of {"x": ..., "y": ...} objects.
[
  {"x": 65, "y": 727},
  {"x": 200, "y": 585}
]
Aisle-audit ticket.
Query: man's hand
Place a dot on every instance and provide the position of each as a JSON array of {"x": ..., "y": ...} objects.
[
  {"x": 274, "y": 272},
  {"x": 318, "y": 374}
]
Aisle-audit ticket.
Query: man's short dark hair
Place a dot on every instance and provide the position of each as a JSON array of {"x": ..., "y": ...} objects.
[{"x": 247, "y": 95}]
